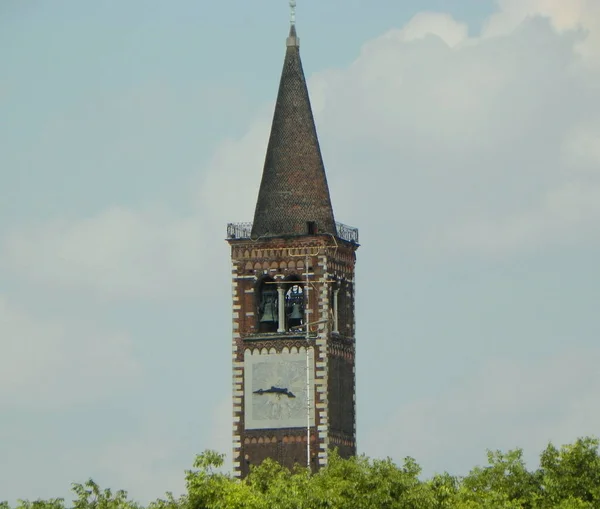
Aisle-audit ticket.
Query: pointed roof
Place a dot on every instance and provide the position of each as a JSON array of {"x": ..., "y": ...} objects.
[{"x": 293, "y": 191}]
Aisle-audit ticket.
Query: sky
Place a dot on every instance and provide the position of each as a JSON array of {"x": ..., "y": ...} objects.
[{"x": 462, "y": 138}]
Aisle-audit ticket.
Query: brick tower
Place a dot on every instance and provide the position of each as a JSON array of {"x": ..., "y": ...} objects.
[{"x": 293, "y": 300}]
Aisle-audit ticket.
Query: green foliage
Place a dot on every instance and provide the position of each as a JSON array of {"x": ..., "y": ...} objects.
[
  {"x": 53, "y": 503},
  {"x": 209, "y": 489},
  {"x": 572, "y": 474},
  {"x": 568, "y": 478},
  {"x": 505, "y": 482},
  {"x": 90, "y": 496}
]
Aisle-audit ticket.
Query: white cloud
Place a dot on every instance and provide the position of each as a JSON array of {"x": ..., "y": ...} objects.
[
  {"x": 574, "y": 15},
  {"x": 508, "y": 403},
  {"x": 118, "y": 252},
  {"x": 557, "y": 219},
  {"x": 478, "y": 147},
  {"x": 147, "y": 253},
  {"x": 51, "y": 364},
  {"x": 229, "y": 184},
  {"x": 581, "y": 148},
  {"x": 441, "y": 25},
  {"x": 563, "y": 15}
]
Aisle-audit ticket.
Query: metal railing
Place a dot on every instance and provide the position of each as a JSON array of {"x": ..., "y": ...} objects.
[
  {"x": 347, "y": 233},
  {"x": 239, "y": 230},
  {"x": 243, "y": 231}
]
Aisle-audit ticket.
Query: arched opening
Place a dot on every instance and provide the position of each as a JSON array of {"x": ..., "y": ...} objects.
[
  {"x": 267, "y": 305},
  {"x": 344, "y": 308},
  {"x": 295, "y": 304},
  {"x": 334, "y": 304}
]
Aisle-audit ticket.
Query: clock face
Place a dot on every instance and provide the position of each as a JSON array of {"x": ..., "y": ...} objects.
[{"x": 275, "y": 390}]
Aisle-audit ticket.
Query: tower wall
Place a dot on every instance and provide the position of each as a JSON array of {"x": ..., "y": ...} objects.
[{"x": 332, "y": 363}]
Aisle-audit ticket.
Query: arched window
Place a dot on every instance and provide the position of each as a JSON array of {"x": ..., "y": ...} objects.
[
  {"x": 334, "y": 304},
  {"x": 267, "y": 305},
  {"x": 345, "y": 308},
  {"x": 294, "y": 305}
]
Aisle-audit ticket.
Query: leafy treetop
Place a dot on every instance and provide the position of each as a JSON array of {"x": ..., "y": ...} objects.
[{"x": 567, "y": 478}]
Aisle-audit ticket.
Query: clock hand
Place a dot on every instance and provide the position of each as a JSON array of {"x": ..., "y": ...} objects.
[{"x": 276, "y": 390}]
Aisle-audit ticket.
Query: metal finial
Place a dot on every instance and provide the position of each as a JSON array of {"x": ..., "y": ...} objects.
[{"x": 292, "y": 12}]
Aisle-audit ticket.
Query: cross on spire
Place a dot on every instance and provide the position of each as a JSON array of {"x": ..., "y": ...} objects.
[{"x": 292, "y": 12}]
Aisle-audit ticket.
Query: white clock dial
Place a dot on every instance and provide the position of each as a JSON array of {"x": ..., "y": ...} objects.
[{"x": 275, "y": 390}]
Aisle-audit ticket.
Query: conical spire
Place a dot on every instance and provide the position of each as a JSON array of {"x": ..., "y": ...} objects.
[{"x": 294, "y": 197}]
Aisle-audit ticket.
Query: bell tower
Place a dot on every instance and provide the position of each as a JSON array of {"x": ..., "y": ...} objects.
[{"x": 293, "y": 299}]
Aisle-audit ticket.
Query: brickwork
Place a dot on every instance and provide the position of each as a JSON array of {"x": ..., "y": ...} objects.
[
  {"x": 329, "y": 267},
  {"x": 293, "y": 191}
]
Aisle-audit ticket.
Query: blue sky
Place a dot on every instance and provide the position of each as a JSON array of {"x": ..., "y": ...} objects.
[{"x": 460, "y": 137}]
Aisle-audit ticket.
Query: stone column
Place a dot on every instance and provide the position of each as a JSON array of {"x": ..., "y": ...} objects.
[
  {"x": 281, "y": 306},
  {"x": 335, "y": 311}
]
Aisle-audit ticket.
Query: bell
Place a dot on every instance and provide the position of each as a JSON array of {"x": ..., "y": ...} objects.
[
  {"x": 269, "y": 306},
  {"x": 296, "y": 313},
  {"x": 268, "y": 315}
]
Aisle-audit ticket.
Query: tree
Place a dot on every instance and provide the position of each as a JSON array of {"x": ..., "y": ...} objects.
[
  {"x": 505, "y": 482},
  {"x": 90, "y": 496},
  {"x": 571, "y": 473},
  {"x": 568, "y": 478}
]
